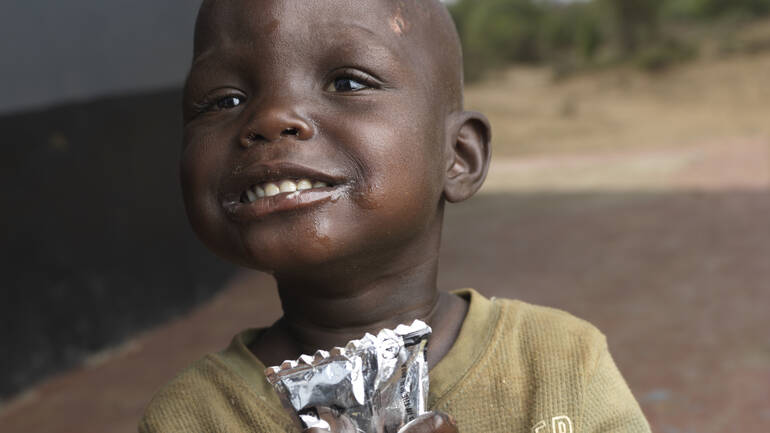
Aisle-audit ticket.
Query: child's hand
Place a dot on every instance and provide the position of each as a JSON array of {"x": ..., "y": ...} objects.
[{"x": 431, "y": 422}]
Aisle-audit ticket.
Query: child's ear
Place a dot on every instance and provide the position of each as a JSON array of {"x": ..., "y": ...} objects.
[{"x": 468, "y": 154}]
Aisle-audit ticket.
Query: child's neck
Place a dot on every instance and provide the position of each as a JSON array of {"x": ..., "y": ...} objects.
[{"x": 315, "y": 320}]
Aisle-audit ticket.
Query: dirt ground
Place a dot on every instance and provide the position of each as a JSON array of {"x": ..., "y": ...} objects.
[{"x": 664, "y": 247}]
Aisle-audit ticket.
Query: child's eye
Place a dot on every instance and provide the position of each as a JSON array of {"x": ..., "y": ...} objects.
[
  {"x": 230, "y": 101},
  {"x": 346, "y": 84},
  {"x": 351, "y": 80},
  {"x": 221, "y": 103}
]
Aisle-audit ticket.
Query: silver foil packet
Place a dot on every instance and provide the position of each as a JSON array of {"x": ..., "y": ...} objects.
[{"x": 376, "y": 384}]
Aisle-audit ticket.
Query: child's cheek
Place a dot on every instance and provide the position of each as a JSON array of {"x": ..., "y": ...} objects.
[{"x": 200, "y": 170}]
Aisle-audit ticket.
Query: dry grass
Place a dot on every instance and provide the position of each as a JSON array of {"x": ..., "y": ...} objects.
[
  {"x": 702, "y": 125},
  {"x": 708, "y": 100}
]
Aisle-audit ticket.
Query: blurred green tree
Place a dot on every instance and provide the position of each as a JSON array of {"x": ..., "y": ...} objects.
[
  {"x": 573, "y": 30},
  {"x": 709, "y": 9},
  {"x": 712, "y": 8},
  {"x": 497, "y": 32},
  {"x": 576, "y": 34},
  {"x": 634, "y": 23}
]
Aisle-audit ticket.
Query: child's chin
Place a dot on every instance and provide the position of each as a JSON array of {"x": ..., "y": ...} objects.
[{"x": 288, "y": 261}]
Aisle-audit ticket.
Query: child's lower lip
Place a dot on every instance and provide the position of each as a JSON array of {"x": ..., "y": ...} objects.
[{"x": 285, "y": 202}]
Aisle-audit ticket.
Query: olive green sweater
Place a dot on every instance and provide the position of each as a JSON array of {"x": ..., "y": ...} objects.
[{"x": 515, "y": 367}]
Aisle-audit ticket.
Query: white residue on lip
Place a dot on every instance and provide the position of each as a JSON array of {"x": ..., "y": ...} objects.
[{"x": 337, "y": 193}]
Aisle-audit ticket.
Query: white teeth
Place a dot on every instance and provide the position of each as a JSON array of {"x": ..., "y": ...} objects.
[
  {"x": 271, "y": 189},
  {"x": 288, "y": 186},
  {"x": 304, "y": 184}
]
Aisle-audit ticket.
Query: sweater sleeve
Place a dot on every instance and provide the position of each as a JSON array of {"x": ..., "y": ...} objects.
[
  {"x": 608, "y": 404},
  {"x": 209, "y": 398}
]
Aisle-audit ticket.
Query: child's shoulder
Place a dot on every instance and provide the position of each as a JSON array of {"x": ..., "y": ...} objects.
[
  {"x": 221, "y": 389},
  {"x": 528, "y": 326},
  {"x": 549, "y": 337},
  {"x": 540, "y": 322},
  {"x": 503, "y": 338}
]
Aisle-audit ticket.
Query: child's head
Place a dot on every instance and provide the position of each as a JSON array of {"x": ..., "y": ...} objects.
[{"x": 355, "y": 104}]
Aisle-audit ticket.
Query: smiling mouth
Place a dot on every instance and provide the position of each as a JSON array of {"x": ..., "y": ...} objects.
[
  {"x": 284, "y": 186},
  {"x": 276, "y": 187}
]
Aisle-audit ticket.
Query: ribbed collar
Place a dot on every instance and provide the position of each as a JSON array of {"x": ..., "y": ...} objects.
[{"x": 473, "y": 340}]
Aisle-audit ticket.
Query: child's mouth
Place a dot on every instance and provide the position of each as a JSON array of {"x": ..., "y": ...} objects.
[
  {"x": 285, "y": 186},
  {"x": 268, "y": 188},
  {"x": 281, "y": 197}
]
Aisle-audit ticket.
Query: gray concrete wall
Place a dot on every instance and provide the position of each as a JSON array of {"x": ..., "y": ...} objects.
[{"x": 53, "y": 52}]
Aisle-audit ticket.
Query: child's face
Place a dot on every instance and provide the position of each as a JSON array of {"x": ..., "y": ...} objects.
[{"x": 334, "y": 91}]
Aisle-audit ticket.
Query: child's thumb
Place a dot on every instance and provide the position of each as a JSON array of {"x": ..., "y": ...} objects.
[{"x": 431, "y": 422}]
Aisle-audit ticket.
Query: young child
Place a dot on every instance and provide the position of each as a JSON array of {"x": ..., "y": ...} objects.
[{"x": 322, "y": 140}]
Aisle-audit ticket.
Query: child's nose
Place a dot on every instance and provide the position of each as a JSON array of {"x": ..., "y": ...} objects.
[{"x": 274, "y": 124}]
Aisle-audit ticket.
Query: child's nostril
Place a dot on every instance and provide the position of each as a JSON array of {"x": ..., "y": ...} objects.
[
  {"x": 255, "y": 137},
  {"x": 290, "y": 131}
]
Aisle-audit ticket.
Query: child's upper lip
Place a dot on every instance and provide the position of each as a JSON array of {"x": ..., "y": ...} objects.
[{"x": 271, "y": 171}]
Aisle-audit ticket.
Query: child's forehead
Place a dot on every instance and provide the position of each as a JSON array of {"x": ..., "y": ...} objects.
[{"x": 247, "y": 20}]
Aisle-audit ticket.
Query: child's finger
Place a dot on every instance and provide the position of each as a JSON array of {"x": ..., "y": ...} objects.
[
  {"x": 432, "y": 422},
  {"x": 333, "y": 424},
  {"x": 343, "y": 429}
]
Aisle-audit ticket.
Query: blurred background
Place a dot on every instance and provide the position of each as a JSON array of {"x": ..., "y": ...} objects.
[{"x": 630, "y": 186}]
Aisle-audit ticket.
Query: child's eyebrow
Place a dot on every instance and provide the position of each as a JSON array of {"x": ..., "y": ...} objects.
[
  {"x": 349, "y": 24},
  {"x": 218, "y": 53},
  {"x": 381, "y": 47},
  {"x": 207, "y": 65},
  {"x": 202, "y": 58},
  {"x": 369, "y": 34}
]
